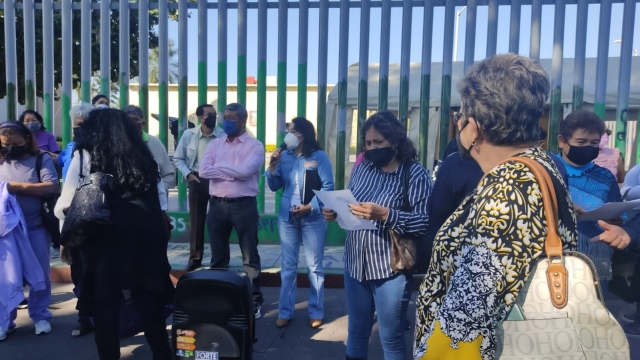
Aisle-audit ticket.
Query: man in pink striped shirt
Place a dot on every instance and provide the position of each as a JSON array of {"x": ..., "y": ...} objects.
[{"x": 233, "y": 164}]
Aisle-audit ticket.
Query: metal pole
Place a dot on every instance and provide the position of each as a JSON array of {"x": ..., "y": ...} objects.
[
  {"x": 67, "y": 69},
  {"x": 363, "y": 68},
  {"x": 425, "y": 82},
  {"x": 385, "y": 40},
  {"x": 202, "y": 51},
  {"x": 343, "y": 65},
  {"x": 536, "y": 29},
  {"x": 183, "y": 72},
  {"x": 303, "y": 49},
  {"x": 124, "y": 54},
  {"x": 242, "y": 52},
  {"x": 514, "y": 31},
  {"x": 222, "y": 55},
  {"x": 602, "y": 62},
  {"x": 323, "y": 44},
  {"x": 10, "y": 58},
  {"x": 492, "y": 28},
  {"x": 624, "y": 76},
  {"x": 262, "y": 88},
  {"x": 47, "y": 66},
  {"x": 163, "y": 70},
  {"x": 447, "y": 65},
  {"x": 29, "y": 54},
  {"x": 470, "y": 36},
  {"x": 455, "y": 36},
  {"x": 143, "y": 59},
  {"x": 555, "y": 113},
  {"x": 105, "y": 47},
  {"x": 85, "y": 51},
  {"x": 282, "y": 76},
  {"x": 581, "y": 46},
  {"x": 405, "y": 65}
]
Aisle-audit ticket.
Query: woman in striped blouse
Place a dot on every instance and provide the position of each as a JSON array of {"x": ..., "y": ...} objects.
[{"x": 370, "y": 284}]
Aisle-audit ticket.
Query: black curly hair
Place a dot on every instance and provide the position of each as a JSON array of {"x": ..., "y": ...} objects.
[
  {"x": 390, "y": 127},
  {"x": 116, "y": 147}
]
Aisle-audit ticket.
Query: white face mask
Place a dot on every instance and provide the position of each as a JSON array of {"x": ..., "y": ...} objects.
[
  {"x": 102, "y": 106},
  {"x": 291, "y": 141}
]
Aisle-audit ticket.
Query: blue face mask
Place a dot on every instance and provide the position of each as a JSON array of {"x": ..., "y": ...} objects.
[{"x": 230, "y": 127}]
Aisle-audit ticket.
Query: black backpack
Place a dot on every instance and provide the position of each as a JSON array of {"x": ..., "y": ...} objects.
[{"x": 49, "y": 219}]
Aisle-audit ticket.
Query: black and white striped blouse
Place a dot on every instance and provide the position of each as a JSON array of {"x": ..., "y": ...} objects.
[{"x": 368, "y": 252}]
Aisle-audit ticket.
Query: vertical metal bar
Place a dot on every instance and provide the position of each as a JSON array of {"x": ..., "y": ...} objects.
[
  {"x": 555, "y": 113},
  {"x": 602, "y": 62},
  {"x": 303, "y": 49},
  {"x": 202, "y": 51},
  {"x": 447, "y": 65},
  {"x": 242, "y": 52},
  {"x": 222, "y": 54},
  {"x": 343, "y": 65},
  {"x": 262, "y": 88},
  {"x": 163, "y": 70},
  {"x": 282, "y": 75},
  {"x": 514, "y": 30},
  {"x": 624, "y": 76},
  {"x": 470, "y": 36},
  {"x": 67, "y": 69},
  {"x": 123, "y": 66},
  {"x": 47, "y": 66},
  {"x": 183, "y": 72},
  {"x": 425, "y": 82},
  {"x": 143, "y": 58},
  {"x": 323, "y": 44},
  {"x": 581, "y": 47},
  {"x": 405, "y": 52},
  {"x": 29, "y": 54},
  {"x": 85, "y": 51},
  {"x": 105, "y": 47},
  {"x": 385, "y": 40},
  {"x": 10, "y": 58},
  {"x": 492, "y": 28},
  {"x": 536, "y": 29},
  {"x": 363, "y": 68}
]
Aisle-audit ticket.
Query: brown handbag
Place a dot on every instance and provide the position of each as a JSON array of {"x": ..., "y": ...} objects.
[{"x": 406, "y": 256}]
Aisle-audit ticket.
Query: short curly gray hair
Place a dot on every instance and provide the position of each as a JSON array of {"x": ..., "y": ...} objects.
[
  {"x": 506, "y": 95},
  {"x": 80, "y": 111}
]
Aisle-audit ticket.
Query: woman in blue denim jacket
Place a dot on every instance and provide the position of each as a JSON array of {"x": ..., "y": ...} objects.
[{"x": 301, "y": 168}]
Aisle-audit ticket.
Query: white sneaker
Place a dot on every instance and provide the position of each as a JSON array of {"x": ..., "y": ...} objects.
[{"x": 43, "y": 327}]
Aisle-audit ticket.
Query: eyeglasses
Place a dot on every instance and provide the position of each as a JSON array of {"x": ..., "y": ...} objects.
[{"x": 457, "y": 116}]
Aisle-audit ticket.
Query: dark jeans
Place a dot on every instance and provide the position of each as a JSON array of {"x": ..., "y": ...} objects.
[
  {"x": 151, "y": 309},
  {"x": 198, "y": 201},
  {"x": 77, "y": 274},
  {"x": 241, "y": 215}
]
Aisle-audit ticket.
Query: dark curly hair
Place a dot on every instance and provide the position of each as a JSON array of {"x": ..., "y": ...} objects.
[
  {"x": 34, "y": 113},
  {"x": 581, "y": 119},
  {"x": 116, "y": 147},
  {"x": 390, "y": 127},
  {"x": 308, "y": 132}
]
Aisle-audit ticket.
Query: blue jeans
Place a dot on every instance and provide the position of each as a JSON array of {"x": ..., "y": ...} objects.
[
  {"x": 311, "y": 233},
  {"x": 390, "y": 299}
]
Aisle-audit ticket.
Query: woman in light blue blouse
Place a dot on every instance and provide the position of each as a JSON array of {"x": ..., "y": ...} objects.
[
  {"x": 300, "y": 169},
  {"x": 372, "y": 287}
]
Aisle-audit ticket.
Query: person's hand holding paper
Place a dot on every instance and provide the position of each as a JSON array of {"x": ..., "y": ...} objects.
[{"x": 339, "y": 202}]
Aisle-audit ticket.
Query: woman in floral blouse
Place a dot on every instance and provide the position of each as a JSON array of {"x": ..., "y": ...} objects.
[{"x": 485, "y": 251}]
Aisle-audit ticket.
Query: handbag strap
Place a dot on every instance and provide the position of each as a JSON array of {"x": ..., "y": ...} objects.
[
  {"x": 557, "y": 277},
  {"x": 406, "y": 171}
]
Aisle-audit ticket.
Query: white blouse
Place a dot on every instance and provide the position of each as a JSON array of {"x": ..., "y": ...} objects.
[{"x": 73, "y": 179}]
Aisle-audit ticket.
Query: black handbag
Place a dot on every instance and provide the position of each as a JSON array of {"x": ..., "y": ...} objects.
[
  {"x": 89, "y": 211},
  {"x": 49, "y": 220},
  {"x": 409, "y": 253}
]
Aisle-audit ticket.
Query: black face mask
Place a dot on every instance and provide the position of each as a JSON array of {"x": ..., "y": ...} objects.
[
  {"x": 464, "y": 152},
  {"x": 582, "y": 155},
  {"x": 76, "y": 133},
  {"x": 380, "y": 157},
  {"x": 13, "y": 152},
  {"x": 210, "y": 122}
]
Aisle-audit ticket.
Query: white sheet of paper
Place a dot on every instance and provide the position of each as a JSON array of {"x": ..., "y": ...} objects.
[
  {"x": 339, "y": 201},
  {"x": 609, "y": 211}
]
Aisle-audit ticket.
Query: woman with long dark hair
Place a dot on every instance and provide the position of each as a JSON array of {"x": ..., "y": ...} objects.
[
  {"x": 299, "y": 170},
  {"x": 128, "y": 261}
]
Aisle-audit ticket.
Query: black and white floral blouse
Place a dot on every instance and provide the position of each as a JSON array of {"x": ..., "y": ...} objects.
[{"x": 482, "y": 256}]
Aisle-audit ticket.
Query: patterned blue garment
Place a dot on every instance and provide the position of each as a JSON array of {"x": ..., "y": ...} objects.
[
  {"x": 367, "y": 253},
  {"x": 592, "y": 186}
]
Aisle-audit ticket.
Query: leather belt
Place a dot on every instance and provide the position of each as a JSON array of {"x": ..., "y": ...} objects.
[{"x": 224, "y": 200}]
